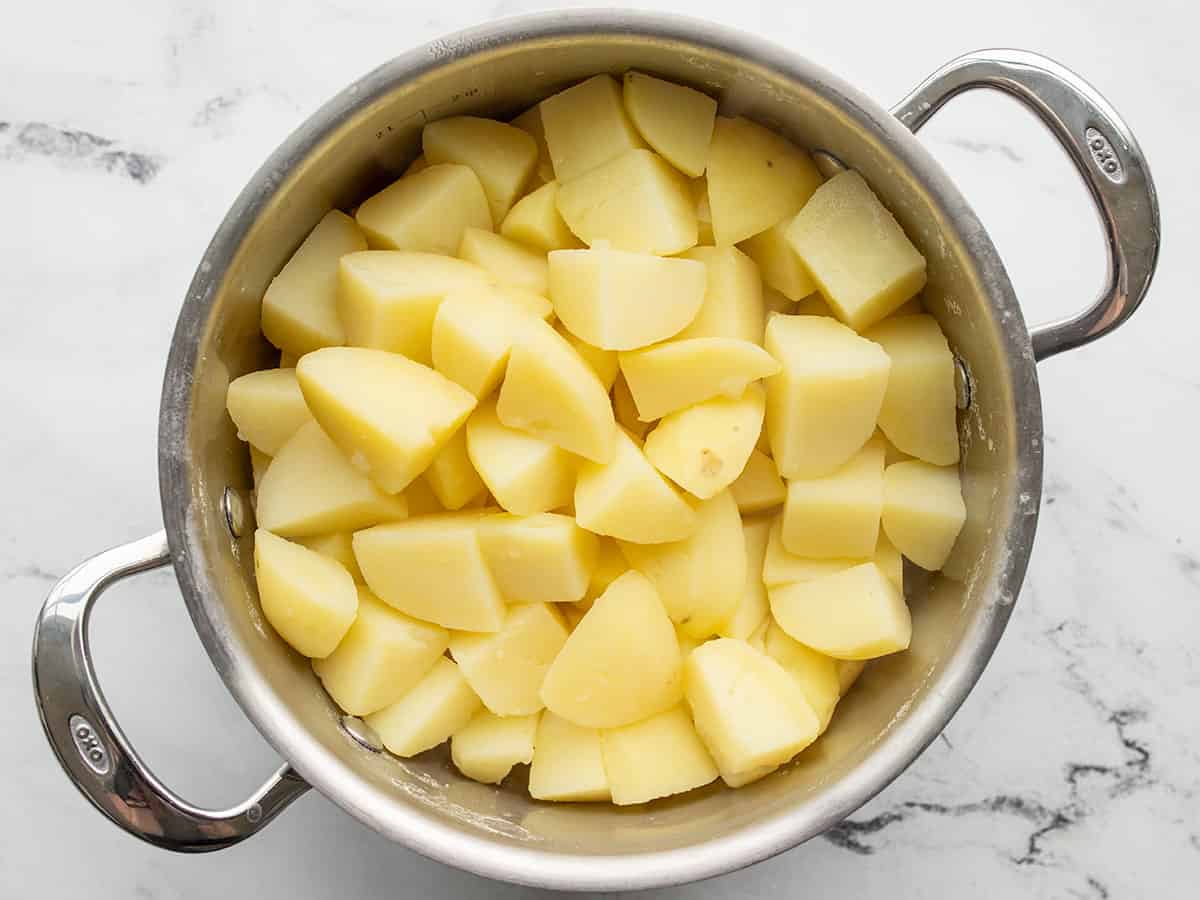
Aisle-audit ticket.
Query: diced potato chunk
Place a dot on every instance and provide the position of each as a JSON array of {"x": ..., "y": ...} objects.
[
  {"x": 299, "y": 309},
  {"x": 553, "y": 394},
  {"x": 620, "y": 301},
  {"x": 310, "y": 488},
  {"x": 636, "y": 202},
  {"x": 433, "y": 569},
  {"x": 704, "y": 448},
  {"x": 923, "y": 511},
  {"x": 816, "y": 673},
  {"x": 426, "y": 211},
  {"x": 453, "y": 479},
  {"x": 530, "y": 122},
  {"x": 544, "y": 558},
  {"x": 421, "y": 499},
  {"x": 525, "y": 474},
  {"x": 777, "y": 261},
  {"x": 473, "y": 334},
  {"x": 887, "y": 557},
  {"x": 568, "y": 764},
  {"x": 751, "y": 610},
  {"x": 388, "y": 300},
  {"x": 624, "y": 409},
  {"x": 487, "y": 747},
  {"x": 848, "y": 671},
  {"x": 755, "y": 179},
  {"x": 439, "y": 705},
  {"x": 309, "y": 599},
  {"x": 822, "y": 406},
  {"x": 837, "y": 515},
  {"x": 508, "y": 262},
  {"x": 586, "y": 126},
  {"x": 628, "y": 499},
  {"x": 751, "y": 714},
  {"x": 610, "y": 565},
  {"x": 389, "y": 414},
  {"x": 267, "y": 407},
  {"x": 856, "y": 613},
  {"x": 536, "y": 222},
  {"x": 603, "y": 362},
  {"x": 759, "y": 487},
  {"x": 701, "y": 578},
  {"x": 856, "y": 251},
  {"x": 783, "y": 567},
  {"x": 337, "y": 546},
  {"x": 258, "y": 465},
  {"x": 733, "y": 304},
  {"x": 675, "y": 120},
  {"x": 620, "y": 664},
  {"x": 383, "y": 655},
  {"x": 918, "y": 412},
  {"x": 534, "y": 304},
  {"x": 677, "y": 374},
  {"x": 504, "y": 157},
  {"x": 656, "y": 757}
]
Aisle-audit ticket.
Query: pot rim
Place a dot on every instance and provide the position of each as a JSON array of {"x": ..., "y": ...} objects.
[{"x": 440, "y": 840}]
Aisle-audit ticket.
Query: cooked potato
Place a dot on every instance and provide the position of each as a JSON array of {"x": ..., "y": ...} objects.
[
  {"x": 439, "y": 704},
  {"x": 453, "y": 479},
  {"x": 823, "y": 403},
  {"x": 733, "y": 304},
  {"x": 678, "y": 374},
  {"x": 383, "y": 655},
  {"x": 780, "y": 266},
  {"x": 433, "y": 569},
  {"x": 624, "y": 409},
  {"x": 530, "y": 122},
  {"x": 656, "y": 757},
  {"x": 628, "y": 499},
  {"x": 755, "y": 179},
  {"x": 919, "y": 408},
  {"x": 544, "y": 558},
  {"x": 848, "y": 671},
  {"x": 856, "y": 251},
  {"x": 775, "y": 302},
  {"x": 473, "y": 334},
  {"x": 813, "y": 305},
  {"x": 506, "y": 668},
  {"x": 837, "y": 516},
  {"x": 603, "y": 362},
  {"x": 610, "y": 565},
  {"x": 299, "y": 309},
  {"x": 923, "y": 511},
  {"x": 258, "y": 466},
  {"x": 759, "y": 487},
  {"x": 417, "y": 165},
  {"x": 780, "y": 566},
  {"x": 620, "y": 301},
  {"x": 751, "y": 609},
  {"x": 309, "y": 599},
  {"x": 421, "y": 499},
  {"x": 267, "y": 407},
  {"x": 887, "y": 557},
  {"x": 337, "y": 546},
  {"x": 510, "y": 263},
  {"x": 704, "y": 232},
  {"x": 487, "y": 747},
  {"x": 536, "y": 222},
  {"x": 524, "y": 473},
  {"x": 856, "y": 613},
  {"x": 635, "y": 201},
  {"x": 621, "y": 663},
  {"x": 310, "y": 488},
  {"x": 586, "y": 126},
  {"x": 816, "y": 673},
  {"x": 426, "y": 211},
  {"x": 675, "y": 120},
  {"x": 704, "y": 448},
  {"x": 568, "y": 764},
  {"x": 504, "y": 157}
]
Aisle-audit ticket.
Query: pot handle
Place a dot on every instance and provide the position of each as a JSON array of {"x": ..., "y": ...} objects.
[
  {"x": 1105, "y": 154},
  {"x": 89, "y": 744}
]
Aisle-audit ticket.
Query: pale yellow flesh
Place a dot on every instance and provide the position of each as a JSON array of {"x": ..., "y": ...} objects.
[
  {"x": 568, "y": 764},
  {"x": 426, "y": 211},
  {"x": 536, "y": 222},
  {"x": 837, "y": 516},
  {"x": 502, "y": 156},
  {"x": 339, "y": 546},
  {"x": 816, "y": 673},
  {"x": 509, "y": 262},
  {"x": 267, "y": 407},
  {"x": 783, "y": 567},
  {"x": 656, "y": 757},
  {"x": 759, "y": 488},
  {"x": 733, "y": 303},
  {"x": 524, "y": 473},
  {"x": 780, "y": 266},
  {"x": 543, "y": 558},
  {"x": 487, "y": 747},
  {"x": 604, "y": 363},
  {"x": 473, "y": 333},
  {"x": 436, "y": 707},
  {"x": 453, "y": 479},
  {"x": 752, "y": 607},
  {"x": 585, "y": 126},
  {"x": 923, "y": 511},
  {"x": 530, "y": 122},
  {"x": 675, "y": 120},
  {"x": 625, "y": 410}
]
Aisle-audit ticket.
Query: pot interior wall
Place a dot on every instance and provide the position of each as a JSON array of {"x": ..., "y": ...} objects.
[{"x": 953, "y": 612}]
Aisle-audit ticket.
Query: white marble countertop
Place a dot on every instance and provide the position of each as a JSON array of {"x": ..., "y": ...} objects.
[{"x": 1073, "y": 770}]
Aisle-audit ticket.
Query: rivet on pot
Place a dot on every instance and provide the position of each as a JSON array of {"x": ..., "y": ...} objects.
[
  {"x": 362, "y": 733},
  {"x": 235, "y": 511},
  {"x": 963, "y": 388},
  {"x": 828, "y": 164}
]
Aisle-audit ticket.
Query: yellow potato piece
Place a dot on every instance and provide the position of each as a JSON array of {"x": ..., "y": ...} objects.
[
  {"x": 439, "y": 705},
  {"x": 525, "y": 474},
  {"x": 625, "y": 410},
  {"x": 675, "y": 120},
  {"x": 837, "y": 516},
  {"x": 534, "y": 304},
  {"x": 733, "y": 302},
  {"x": 856, "y": 251},
  {"x": 620, "y": 301},
  {"x": 530, "y": 122},
  {"x": 704, "y": 448},
  {"x": 337, "y": 546},
  {"x": 487, "y": 747},
  {"x": 453, "y": 479},
  {"x": 421, "y": 499},
  {"x": 610, "y": 565},
  {"x": 550, "y": 392},
  {"x": 388, "y": 300},
  {"x": 701, "y": 578},
  {"x": 677, "y": 374},
  {"x": 383, "y": 655},
  {"x": 508, "y": 262},
  {"x": 856, "y": 613},
  {"x": 656, "y": 757},
  {"x": 704, "y": 232},
  {"x": 636, "y": 202},
  {"x": 603, "y": 362},
  {"x": 848, "y": 671},
  {"x": 780, "y": 266},
  {"x": 775, "y": 302},
  {"x": 426, "y": 211},
  {"x": 888, "y": 558},
  {"x": 472, "y": 337},
  {"x": 630, "y": 500},
  {"x": 388, "y": 414},
  {"x": 759, "y": 487},
  {"x": 919, "y": 408},
  {"x": 813, "y": 305},
  {"x": 750, "y": 713},
  {"x": 310, "y": 488},
  {"x": 822, "y": 406},
  {"x": 536, "y": 222},
  {"x": 756, "y": 179},
  {"x": 544, "y": 558},
  {"x": 299, "y": 309},
  {"x": 267, "y": 407},
  {"x": 258, "y": 465},
  {"x": 586, "y": 126},
  {"x": 504, "y": 157},
  {"x": 432, "y": 568},
  {"x": 923, "y": 511},
  {"x": 816, "y": 673},
  {"x": 568, "y": 764},
  {"x": 751, "y": 609},
  {"x": 621, "y": 663},
  {"x": 309, "y": 599},
  {"x": 783, "y": 567},
  {"x": 506, "y": 669}
]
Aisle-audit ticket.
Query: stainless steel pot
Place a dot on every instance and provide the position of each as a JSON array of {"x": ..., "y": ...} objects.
[{"x": 361, "y": 139}]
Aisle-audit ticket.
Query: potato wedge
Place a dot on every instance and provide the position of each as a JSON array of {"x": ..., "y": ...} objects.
[
  {"x": 585, "y": 126},
  {"x": 267, "y": 407},
  {"x": 733, "y": 302},
  {"x": 675, "y": 120},
  {"x": 426, "y": 211},
  {"x": 656, "y": 757},
  {"x": 524, "y": 473},
  {"x": 536, "y": 222},
  {"x": 487, "y": 747},
  {"x": 923, "y": 511},
  {"x": 568, "y": 764},
  {"x": 503, "y": 156},
  {"x": 838, "y": 515},
  {"x": 439, "y": 705},
  {"x": 510, "y": 263}
]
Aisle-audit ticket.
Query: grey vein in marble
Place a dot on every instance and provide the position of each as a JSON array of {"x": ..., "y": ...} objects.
[{"x": 75, "y": 147}]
